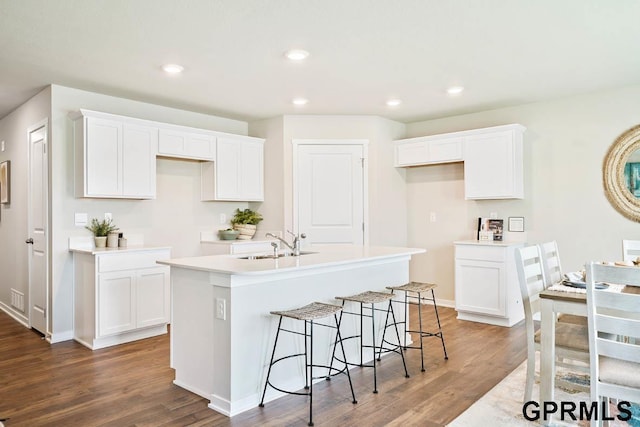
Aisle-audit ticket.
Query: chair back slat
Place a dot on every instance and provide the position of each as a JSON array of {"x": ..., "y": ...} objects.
[
  {"x": 551, "y": 262},
  {"x": 618, "y": 326},
  {"x": 618, "y": 350}
]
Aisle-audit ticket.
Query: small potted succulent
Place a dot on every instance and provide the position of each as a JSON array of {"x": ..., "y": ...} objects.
[
  {"x": 245, "y": 221},
  {"x": 101, "y": 230}
]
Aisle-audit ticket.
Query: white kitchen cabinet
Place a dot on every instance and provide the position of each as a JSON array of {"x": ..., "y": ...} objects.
[
  {"x": 187, "y": 143},
  {"x": 211, "y": 246},
  {"x": 114, "y": 158},
  {"x": 427, "y": 150},
  {"x": 120, "y": 295},
  {"x": 238, "y": 172},
  {"x": 486, "y": 283},
  {"x": 493, "y": 158},
  {"x": 493, "y": 164}
]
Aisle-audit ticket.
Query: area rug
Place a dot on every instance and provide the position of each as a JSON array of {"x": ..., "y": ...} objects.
[{"x": 502, "y": 405}]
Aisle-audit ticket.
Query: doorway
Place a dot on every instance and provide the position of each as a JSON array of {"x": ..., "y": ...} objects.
[{"x": 330, "y": 191}]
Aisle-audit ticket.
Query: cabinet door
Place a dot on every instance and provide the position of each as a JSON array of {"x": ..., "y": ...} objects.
[
  {"x": 116, "y": 302},
  {"x": 251, "y": 169},
  {"x": 492, "y": 168},
  {"x": 152, "y": 296},
  {"x": 227, "y": 169},
  {"x": 480, "y": 287},
  {"x": 445, "y": 150},
  {"x": 103, "y": 158},
  {"x": 201, "y": 146},
  {"x": 139, "y": 146},
  {"x": 190, "y": 145},
  {"x": 411, "y": 153}
]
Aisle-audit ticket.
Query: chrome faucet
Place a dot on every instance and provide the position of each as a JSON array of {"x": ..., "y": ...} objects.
[{"x": 294, "y": 246}]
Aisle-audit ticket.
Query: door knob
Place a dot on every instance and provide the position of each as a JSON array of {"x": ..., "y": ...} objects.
[{"x": 29, "y": 241}]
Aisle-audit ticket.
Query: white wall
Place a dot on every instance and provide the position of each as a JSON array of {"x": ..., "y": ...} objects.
[
  {"x": 14, "y": 271},
  {"x": 564, "y": 148},
  {"x": 175, "y": 218}
]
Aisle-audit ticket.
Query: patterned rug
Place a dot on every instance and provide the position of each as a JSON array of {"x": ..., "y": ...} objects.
[{"x": 502, "y": 405}]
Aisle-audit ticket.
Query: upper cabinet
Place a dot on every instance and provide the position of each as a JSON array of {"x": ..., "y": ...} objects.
[
  {"x": 238, "y": 172},
  {"x": 188, "y": 144},
  {"x": 493, "y": 160},
  {"x": 114, "y": 158}
]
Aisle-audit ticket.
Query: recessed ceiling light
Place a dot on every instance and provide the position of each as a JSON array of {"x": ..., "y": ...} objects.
[
  {"x": 394, "y": 102},
  {"x": 300, "y": 101},
  {"x": 296, "y": 54},
  {"x": 173, "y": 68},
  {"x": 455, "y": 90}
]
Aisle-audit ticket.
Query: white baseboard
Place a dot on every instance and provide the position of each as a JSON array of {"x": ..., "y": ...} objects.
[{"x": 21, "y": 318}]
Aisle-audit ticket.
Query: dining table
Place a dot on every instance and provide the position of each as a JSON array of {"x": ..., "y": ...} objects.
[{"x": 552, "y": 303}]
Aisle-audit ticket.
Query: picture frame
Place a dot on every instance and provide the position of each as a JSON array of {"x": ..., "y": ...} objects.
[
  {"x": 5, "y": 182},
  {"x": 516, "y": 224}
]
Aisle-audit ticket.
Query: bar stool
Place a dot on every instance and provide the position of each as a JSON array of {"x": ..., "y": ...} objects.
[
  {"x": 309, "y": 314},
  {"x": 420, "y": 288},
  {"x": 367, "y": 301}
]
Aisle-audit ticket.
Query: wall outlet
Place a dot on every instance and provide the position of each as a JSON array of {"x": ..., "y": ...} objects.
[
  {"x": 432, "y": 217},
  {"x": 221, "y": 308},
  {"x": 493, "y": 215},
  {"x": 80, "y": 219},
  {"x": 223, "y": 218},
  {"x": 108, "y": 216}
]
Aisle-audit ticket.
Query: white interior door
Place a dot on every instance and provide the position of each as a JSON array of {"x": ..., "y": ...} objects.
[
  {"x": 331, "y": 193},
  {"x": 37, "y": 223}
]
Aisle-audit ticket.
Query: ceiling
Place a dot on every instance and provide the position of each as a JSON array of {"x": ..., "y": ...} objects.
[{"x": 363, "y": 52}]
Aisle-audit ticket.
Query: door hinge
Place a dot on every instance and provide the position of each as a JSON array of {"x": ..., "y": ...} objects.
[{"x": 362, "y": 161}]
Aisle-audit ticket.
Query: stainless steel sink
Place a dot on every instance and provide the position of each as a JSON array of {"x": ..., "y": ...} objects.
[{"x": 270, "y": 256}]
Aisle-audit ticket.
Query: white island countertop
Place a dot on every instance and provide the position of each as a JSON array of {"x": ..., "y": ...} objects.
[{"x": 317, "y": 256}]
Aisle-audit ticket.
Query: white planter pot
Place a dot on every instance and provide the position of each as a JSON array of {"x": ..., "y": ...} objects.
[
  {"x": 247, "y": 231},
  {"x": 101, "y": 241}
]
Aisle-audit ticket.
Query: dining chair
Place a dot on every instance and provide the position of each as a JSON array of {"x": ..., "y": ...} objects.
[
  {"x": 630, "y": 250},
  {"x": 614, "y": 329},
  {"x": 551, "y": 262},
  {"x": 572, "y": 347}
]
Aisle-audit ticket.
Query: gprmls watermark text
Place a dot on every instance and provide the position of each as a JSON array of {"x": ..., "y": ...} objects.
[{"x": 533, "y": 411}]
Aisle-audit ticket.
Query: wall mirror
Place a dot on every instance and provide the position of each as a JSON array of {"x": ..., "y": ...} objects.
[{"x": 621, "y": 174}]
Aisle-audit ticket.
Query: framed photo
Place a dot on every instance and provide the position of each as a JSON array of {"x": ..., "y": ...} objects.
[
  {"x": 516, "y": 223},
  {"x": 5, "y": 182}
]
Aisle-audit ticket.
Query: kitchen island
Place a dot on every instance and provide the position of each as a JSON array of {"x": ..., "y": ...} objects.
[{"x": 222, "y": 332}]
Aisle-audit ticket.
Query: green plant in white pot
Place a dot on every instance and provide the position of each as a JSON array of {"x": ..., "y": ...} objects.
[
  {"x": 101, "y": 230},
  {"x": 245, "y": 221}
]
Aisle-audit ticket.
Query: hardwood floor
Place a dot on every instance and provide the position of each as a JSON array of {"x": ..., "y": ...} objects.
[{"x": 66, "y": 384}]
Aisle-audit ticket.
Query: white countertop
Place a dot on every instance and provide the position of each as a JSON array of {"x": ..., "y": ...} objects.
[
  {"x": 325, "y": 255},
  {"x": 84, "y": 245}
]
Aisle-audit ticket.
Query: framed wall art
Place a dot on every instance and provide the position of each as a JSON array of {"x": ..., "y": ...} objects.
[{"x": 5, "y": 182}]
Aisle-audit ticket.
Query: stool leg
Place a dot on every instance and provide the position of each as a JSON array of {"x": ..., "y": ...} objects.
[
  {"x": 306, "y": 362},
  {"x": 344, "y": 355},
  {"x": 335, "y": 344},
  {"x": 435, "y": 307},
  {"x": 421, "y": 333},
  {"x": 311, "y": 368},
  {"x": 395, "y": 326},
  {"x": 406, "y": 317},
  {"x": 373, "y": 341},
  {"x": 273, "y": 354},
  {"x": 361, "y": 337}
]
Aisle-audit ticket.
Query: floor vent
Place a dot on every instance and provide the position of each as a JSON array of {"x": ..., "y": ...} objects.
[{"x": 17, "y": 300}]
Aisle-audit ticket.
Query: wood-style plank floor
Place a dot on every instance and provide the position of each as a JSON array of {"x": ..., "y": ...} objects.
[{"x": 66, "y": 384}]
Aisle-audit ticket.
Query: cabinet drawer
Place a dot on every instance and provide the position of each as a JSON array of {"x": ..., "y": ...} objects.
[
  {"x": 483, "y": 253},
  {"x": 129, "y": 260}
]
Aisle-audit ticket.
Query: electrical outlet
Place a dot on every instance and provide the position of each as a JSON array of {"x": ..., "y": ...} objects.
[
  {"x": 80, "y": 219},
  {"x": 432, "y": 217},
  {"x": 493, "y": 215},
  {"x": 223, "y": 218},
  {"x": 108, "y": 216},
  {"x": 221, "y": 308}
]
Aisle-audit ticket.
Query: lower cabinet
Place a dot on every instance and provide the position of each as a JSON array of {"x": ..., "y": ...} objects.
[
  {"x": 486, "y": 283},
  {"x": 120, "y": 297}
]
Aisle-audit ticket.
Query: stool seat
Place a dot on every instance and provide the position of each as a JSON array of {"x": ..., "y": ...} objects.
[
  {"x": 315, "y": 310},
  {"x": 369, "y": 297},
  {"x": 414, "y": 287}
]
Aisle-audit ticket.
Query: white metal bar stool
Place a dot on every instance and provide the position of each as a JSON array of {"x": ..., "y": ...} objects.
[
  {"x": 413, "y": 295},
  {"x": 309, "y": 314},
  {"x": 367, "y": 301}
]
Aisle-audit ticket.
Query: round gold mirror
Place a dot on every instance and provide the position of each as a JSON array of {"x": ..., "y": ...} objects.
[{"x": 621, "y": 174}]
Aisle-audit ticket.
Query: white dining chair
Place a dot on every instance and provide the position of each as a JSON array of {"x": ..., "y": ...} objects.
[
  {"x": 572, "y": 346},
  {"x": 614, "y": 329},
  {"x": 630, "y": 250},
  {"x": 551, "y": 262}
]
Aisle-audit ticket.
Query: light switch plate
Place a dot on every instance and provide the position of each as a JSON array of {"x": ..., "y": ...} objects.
[
  {"x": 2, "y": 146},
  {"x": 81, "y": 219}
]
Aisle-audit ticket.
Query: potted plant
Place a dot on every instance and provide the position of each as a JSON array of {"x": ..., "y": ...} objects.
[
  {"x": 245, "y": 221},
  {"x": 101, "y": 230}
]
